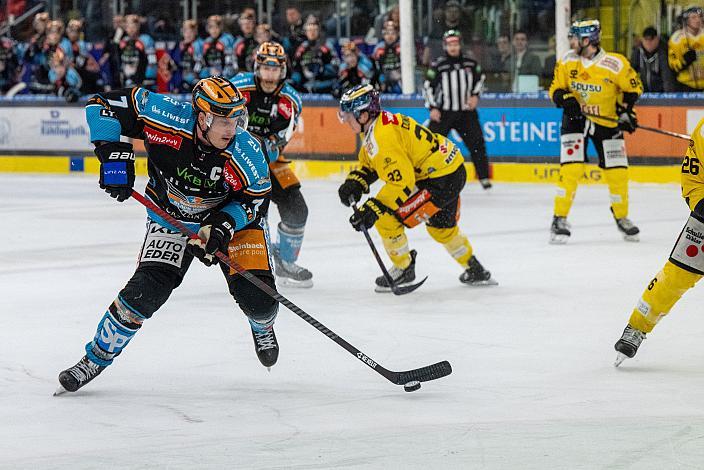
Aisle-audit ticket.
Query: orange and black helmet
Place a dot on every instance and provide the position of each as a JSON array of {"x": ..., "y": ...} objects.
[
  {"x": 271, "y": 53},
  {"x": 219, "y": 97}
]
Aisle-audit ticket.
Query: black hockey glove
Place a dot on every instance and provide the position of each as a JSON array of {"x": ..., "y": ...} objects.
[
  {"x": 217, "y": 235},
  {"x": 367, "y": 215},
  {"x": 572, "y": 107},
  {"x": 627, "y": 121},
  {"x": 689, "y": 57},
  {"x": 116, "y": 169},
  {"x": 356, "y": 184}
]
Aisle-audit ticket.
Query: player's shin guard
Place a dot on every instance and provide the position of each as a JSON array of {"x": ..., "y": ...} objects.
[
  {"x": 567, "y": 187},
  {"x": 617, "y": 180},
  {"x": 454, "y": 241},
  {"x": 290, "y": 241},
  {"x": 117, "y": 327},
  {"x": 398, "y": 251},
  {"x": 662, "y": 293}
]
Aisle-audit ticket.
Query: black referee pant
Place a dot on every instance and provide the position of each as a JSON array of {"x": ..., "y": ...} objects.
[{"x": 466, "y": 123}]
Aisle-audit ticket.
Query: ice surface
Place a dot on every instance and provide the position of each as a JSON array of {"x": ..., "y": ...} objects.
[{"x": 533, "y": 384}]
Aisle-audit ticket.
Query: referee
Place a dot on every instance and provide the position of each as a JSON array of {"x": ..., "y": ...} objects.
[{"x": 452, "y": 87}]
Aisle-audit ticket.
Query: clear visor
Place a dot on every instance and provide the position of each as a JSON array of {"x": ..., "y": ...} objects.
[
  {"x": 222, "y": 124},
  {"x": 345, "y": 116}
]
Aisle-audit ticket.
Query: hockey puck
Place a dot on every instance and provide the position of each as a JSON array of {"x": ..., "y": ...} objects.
[{"x": 412, "y": 386}]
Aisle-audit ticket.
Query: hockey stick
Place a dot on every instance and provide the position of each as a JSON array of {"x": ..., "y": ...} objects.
[
  {"x": 397, "y": 290},
  {"x": 423, "y": 374},
  {"x": 645, "y": 128}
]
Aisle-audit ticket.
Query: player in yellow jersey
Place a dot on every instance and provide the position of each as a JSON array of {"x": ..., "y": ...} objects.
[
  {"x": 590, "y": 82},
  {"x": 686, "y": 51},
  {"x": 422, "y": 173},
  {"x": 686, "y": 264}
]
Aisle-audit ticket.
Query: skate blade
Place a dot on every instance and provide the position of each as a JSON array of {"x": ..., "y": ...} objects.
[
  {"x": 631, "y": 238},
  {"x": 60, "y": 391},
  {"x": 288, "y": 282},
  {"x": 384, "y": 290},
  {"x": 620, "y": 357},
  {"x": 488, "y": 282},
  {"x": 558, "y": 239}
]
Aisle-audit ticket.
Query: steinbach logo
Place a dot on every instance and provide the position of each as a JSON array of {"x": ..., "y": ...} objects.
[{"x": 162, "y": 138}]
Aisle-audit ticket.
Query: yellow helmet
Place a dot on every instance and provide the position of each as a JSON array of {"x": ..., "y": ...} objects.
[{"x": 271, "y": 53}]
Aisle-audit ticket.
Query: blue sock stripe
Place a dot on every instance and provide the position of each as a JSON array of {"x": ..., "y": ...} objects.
[
  {"x": 91, "y": 355},
  {"x": 132, "y": 309}
]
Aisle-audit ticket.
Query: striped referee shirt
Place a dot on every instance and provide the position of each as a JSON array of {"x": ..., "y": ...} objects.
[{"x": 450, "y": 81}]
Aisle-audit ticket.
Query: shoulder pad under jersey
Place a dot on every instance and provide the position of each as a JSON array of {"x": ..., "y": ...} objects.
[
  {"x": 165, "y": 111},
  {"x": 248, "y": 157}
]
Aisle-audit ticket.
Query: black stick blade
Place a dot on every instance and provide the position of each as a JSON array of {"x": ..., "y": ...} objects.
[
  {"x": 424, "y": 374},
  {"x": 401, "y": 290}
]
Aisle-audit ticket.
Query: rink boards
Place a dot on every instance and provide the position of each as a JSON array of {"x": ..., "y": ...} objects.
[{"x": 320, "y": 169}]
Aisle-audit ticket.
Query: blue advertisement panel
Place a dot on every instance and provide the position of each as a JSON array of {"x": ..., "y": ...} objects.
[{"x": 511, "y": 132}]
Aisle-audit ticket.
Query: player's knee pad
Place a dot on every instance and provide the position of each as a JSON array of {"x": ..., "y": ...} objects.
[
  {"x": 293, "y": 208},
  {"x": 665, "y": 289},
  {"x": 572, "y": 148},
  {"x": 115, "y": 330},
  {"x": 614, "y": 153},
  {"x": 254, "y": 303},
  {"x": 150, "y": 287}
]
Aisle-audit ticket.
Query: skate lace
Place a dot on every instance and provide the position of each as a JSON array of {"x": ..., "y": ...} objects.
[
  {"x": 626, "y": 223},
  {"x": 561, "y": 223},
  {"x": 633, "y": 336},
  {"x": 84, "y": 370},
  {"x": 265, "y": 339}
]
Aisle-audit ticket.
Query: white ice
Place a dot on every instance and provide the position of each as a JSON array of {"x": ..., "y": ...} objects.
[{"x": 533, "y": 385}]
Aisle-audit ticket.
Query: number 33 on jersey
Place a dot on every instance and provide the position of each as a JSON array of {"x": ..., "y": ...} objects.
[{"x": 401, "y": 151}]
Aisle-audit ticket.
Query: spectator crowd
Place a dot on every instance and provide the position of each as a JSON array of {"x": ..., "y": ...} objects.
[{"x": 55, "y": 59}]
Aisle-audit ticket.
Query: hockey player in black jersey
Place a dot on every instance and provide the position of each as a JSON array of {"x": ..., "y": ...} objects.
[
  {"x": 274, "y": 107},
  {"x": 206, "y": 171}
]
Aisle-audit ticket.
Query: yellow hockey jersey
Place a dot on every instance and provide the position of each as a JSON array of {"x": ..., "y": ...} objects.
[
  {"x": 692, "y": 177},
  {"x": 597, "y": 83},
  {"x": 401, "y": 151},
  {"x": 680, "y": 42}
]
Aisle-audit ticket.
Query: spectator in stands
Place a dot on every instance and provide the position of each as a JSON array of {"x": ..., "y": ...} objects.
[
  {"x": 218, "y": 50},
  {"x": 35, "y": 43},
  {"x": 550, "y": 61},
  {"x": 387, "y": 59},
  {"x": 453, "y": 18},
  {"x": 247, "y": 12},
  {"x": 524, "y": 61},
  {"x": 63, "y": 77},
  {"x": 356, "y": 69},
  {"x": 9, "y": 65},
  {"x": 84, "y": 63},
  {"x": 501, "y": 58},
  {"x": 245, "y": 44},
  {"x": 293, "y": 35},
  {"x": 649, "y": 59},
  {"x": 686, "y": 52},
  {"x": 188, "y": 57},
  {"x": 137, "y": 56},
  {"x": 315, "y": 62},
  {"x": 37, "y": 66}
]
